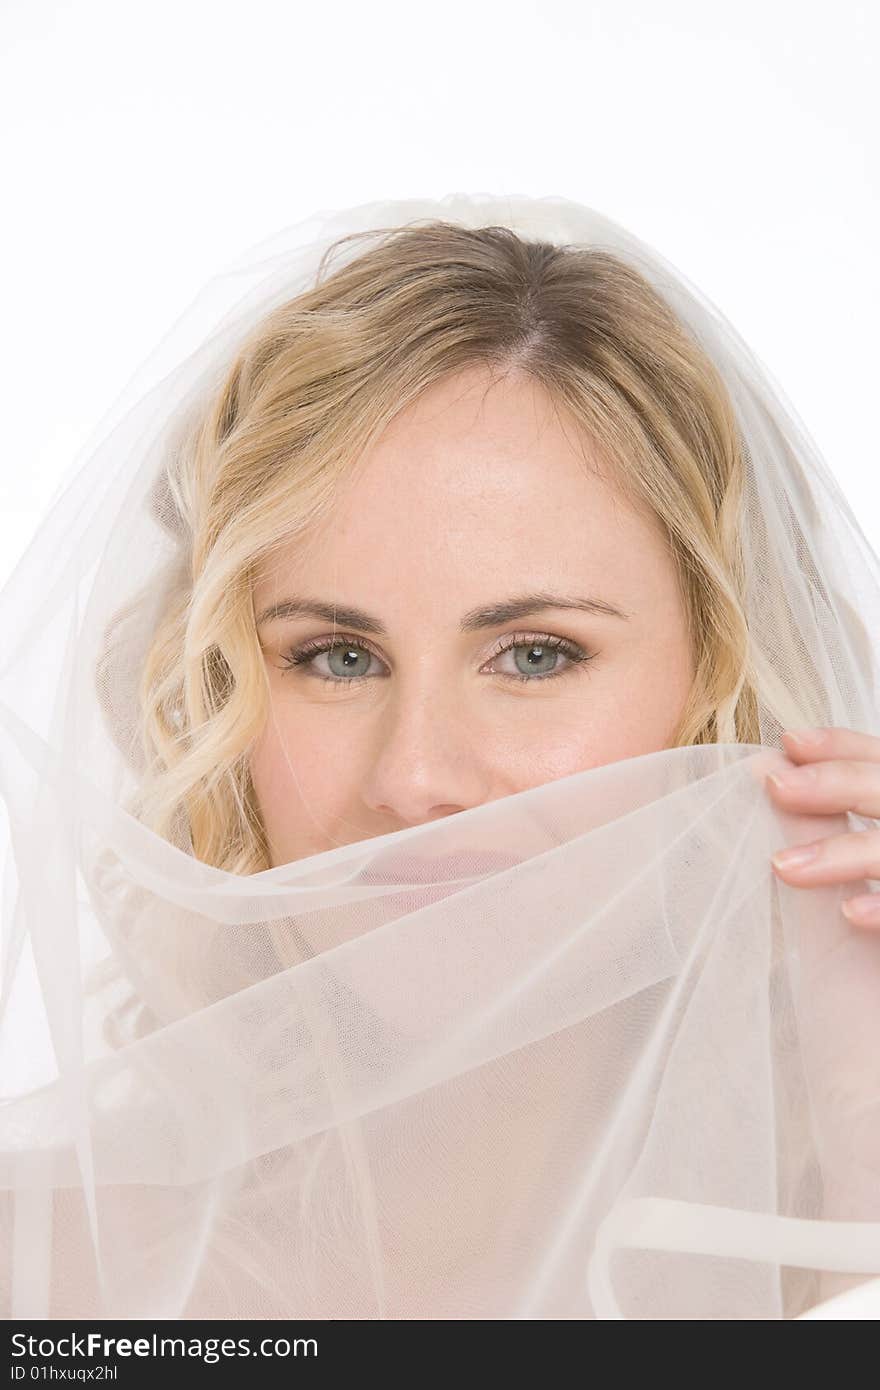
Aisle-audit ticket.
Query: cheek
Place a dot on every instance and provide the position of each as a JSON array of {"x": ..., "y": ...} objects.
[
  {"x": 598, "y": 733},
  {"x": 293, "y": 766},
  {"x": 546, "y": 739},
  {"x": 630, "y": 708},
  {"x": 652, "y": 697}
]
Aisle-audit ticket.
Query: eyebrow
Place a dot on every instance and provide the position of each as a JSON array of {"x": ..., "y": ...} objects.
[{"x": 476, "y": 619}]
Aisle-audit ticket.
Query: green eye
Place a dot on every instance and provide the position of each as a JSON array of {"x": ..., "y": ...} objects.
[
  {"x": 348, "y": 658},
  {"x": 540, "y": 656}
]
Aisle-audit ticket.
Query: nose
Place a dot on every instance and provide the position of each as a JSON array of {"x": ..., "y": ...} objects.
[{"x": 427, "y": 761}]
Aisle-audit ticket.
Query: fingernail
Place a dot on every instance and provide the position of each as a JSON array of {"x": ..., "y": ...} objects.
[
  {"x": 808, "y": 738},
  {"x": 797, "y": 777},
  {"x": 794, "y": 858},
  {"x": 863, "y": 909}
]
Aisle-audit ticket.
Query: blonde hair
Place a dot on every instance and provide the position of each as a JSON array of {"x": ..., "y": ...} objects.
[{"x": 318, "y": 381}]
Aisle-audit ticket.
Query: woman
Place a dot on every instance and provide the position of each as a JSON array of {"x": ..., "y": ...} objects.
[{"x": 412, "y": 752}]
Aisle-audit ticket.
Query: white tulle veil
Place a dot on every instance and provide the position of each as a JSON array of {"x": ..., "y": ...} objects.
[{"x": 592, "y": 1083}]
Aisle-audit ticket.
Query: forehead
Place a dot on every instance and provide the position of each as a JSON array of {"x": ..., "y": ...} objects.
[
  {"x": 475, "y": 479},
  {"x": 469, "y": 439}
]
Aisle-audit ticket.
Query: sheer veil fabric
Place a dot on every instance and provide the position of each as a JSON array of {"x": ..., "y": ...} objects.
[{"x": 573, "y": 1053}]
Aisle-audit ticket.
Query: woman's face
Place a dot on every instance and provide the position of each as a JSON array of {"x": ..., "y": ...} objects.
[{"x": 461, "y": 562}]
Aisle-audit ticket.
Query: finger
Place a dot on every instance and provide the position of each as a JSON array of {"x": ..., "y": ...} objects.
[
  {"x": 835, "y": 859},
  {"x": 815, "y": 745},
  {"x": 864, "y": 911},
  {"x": 826, "y": 788}
]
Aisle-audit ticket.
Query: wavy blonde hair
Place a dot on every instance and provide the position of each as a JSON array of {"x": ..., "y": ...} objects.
[{"x": 316, "y": 383}]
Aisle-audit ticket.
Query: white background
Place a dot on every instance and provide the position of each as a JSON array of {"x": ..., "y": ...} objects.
[{"x": 145, "y": 146}]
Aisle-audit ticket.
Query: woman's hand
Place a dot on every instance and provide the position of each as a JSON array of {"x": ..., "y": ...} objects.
[
  {"x": 839, "y": 771},
  {"x": 840, "y": 984}
]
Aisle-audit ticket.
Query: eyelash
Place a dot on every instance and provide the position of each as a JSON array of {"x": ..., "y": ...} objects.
[{"x": 300, "y": 657}]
